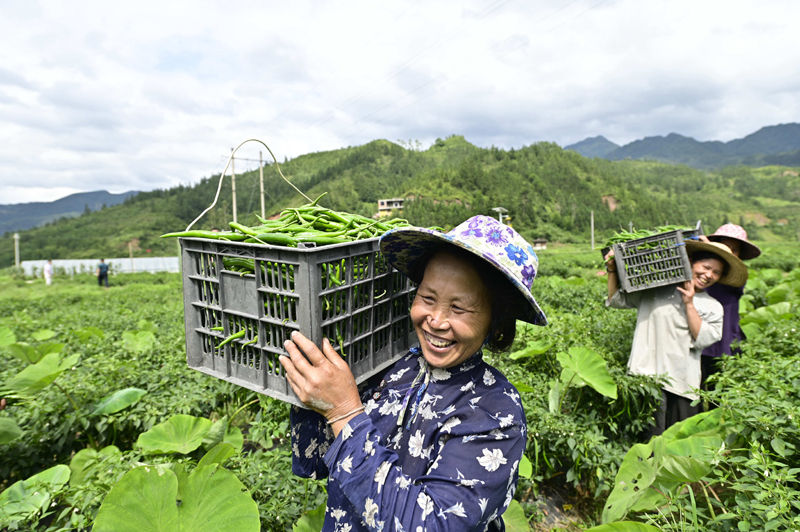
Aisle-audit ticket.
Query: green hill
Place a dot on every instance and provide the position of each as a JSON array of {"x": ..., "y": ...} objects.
[{"x": 548, "y": 191}]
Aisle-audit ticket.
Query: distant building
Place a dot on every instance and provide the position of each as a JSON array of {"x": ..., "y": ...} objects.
[
  {"x": 386, "y": 206},
  {"x": 539, "y": 244}
]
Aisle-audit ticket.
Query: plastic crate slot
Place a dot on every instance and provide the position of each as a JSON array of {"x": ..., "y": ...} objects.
[
  {"x": 280, "y": 307},
  {"x": 359, "y": 351},
  {"x": 334, "y": 305},
  {"x": 333, "y": 274},
  {"x": 398, "y": 282},
  {"x": 205, "y": 264},
  {"x": 361, "y": 269},
  {"x": 400, "y": 305},
  {"x": 210, "y": 318},
  {"x": 361, "y": 323},
  {"x": 208, "y": 292},
  {"x": 381, "y": 264},
  {"x": 362, "y": 295},
  {"x": 337, "y": 334},
  {"x": 277, "y": 275},
  {"x": 382, "y": 314},
  {"x": 209, "y": 344},
  {"x": 380, "y": 340}
]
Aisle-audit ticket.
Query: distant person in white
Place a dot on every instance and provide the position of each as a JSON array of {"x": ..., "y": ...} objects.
[{"x": 48, "y": 272}]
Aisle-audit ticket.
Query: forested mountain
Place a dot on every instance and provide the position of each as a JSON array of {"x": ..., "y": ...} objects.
[
  {"x": 549, "y": 192},
  {"x": 769, "y": 145},
  {"x": 26, "y": 215}
]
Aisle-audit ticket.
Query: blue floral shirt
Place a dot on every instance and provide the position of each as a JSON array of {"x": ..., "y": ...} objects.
[{"x": 434, "y": 450}]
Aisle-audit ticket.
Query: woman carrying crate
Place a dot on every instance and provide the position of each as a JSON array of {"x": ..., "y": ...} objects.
[
  {"x": 434, "y": 443},
  {"x": 674, "y": 325}
]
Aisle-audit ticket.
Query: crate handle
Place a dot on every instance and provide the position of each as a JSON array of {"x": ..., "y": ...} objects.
[{"x": 222, "y": 175}]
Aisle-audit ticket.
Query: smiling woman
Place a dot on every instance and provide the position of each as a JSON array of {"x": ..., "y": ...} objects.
[
  {"x": 433, "y": 443},
  {"x": 674, "y": 325}
]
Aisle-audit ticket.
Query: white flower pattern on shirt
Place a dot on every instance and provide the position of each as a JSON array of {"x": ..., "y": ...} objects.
[{"x": 477, "y": 447}]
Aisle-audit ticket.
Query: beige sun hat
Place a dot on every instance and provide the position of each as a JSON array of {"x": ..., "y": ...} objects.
[{"x": 737, "y": 271}]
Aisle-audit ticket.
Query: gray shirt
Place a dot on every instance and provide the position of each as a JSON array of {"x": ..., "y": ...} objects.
[{"x": 663, "y": 343}]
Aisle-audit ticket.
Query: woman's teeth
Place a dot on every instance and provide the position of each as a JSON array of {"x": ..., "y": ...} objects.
[{"x": 436, "y": 342}]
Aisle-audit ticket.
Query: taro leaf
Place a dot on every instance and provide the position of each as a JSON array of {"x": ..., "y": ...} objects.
[
  {"x": 514, "y": 518},
  {"x": 25, "y": 352},
  {"x": 32, "y": 495},
  {"x": 138, "y": 341},
  {"x": 590, "y": 367},
  {"x": 768, "y": 314},
  {"x": 312, "y": 520},
  {"x": 83, "y": 464},
  {"x": 636, "y": 474},
  {"x": 216, "y": 433},
  {"x": 623, "y": 526},
  {"x": 146, "y": 500},
  {"x": 118, "y": 400},
  {"x": 42, "y": 335},
  {"x": 50, "y": 347},
  {"x": 9, "y": 430},
  {"x": 35, "y": 377},
  {"x": 525, "y": 467},
  {"x": 782, "y": 292},
  {"x": 234, "y": 437},
  {"x": 653, "y": 499},
  {"x": 751, "y": 330},
  {"x": 87, "y": 332},
  {"x": 217, "y": 455},
  {"x": 179, "y": 434},
  {"x": 522, "y": 387},
  {"x": 683, "y": 469},
  {"x": 705, "y": 422},
  {"x": 534, "y": 348},
  {"x": 145, "y": 325},
  {"x": 7, "y": 337},
  {"x": 554, "y": 396}
]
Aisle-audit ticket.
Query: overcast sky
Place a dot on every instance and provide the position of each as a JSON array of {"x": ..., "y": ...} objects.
[{"x": 142, "y": 95}]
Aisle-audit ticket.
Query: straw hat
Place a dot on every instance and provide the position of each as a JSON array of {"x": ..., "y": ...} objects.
[
  {"x": 496, "y": 243},
  {"x": 747, "y": 250},
  {"x": 737, "y": 271}
]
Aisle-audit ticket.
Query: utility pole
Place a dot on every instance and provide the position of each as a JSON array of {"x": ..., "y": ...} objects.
[
  {"x": 16, "y": 250},
  {"x": 500, "y": 211},
  {"x": 233, "y": 184},
  {"x": 592, "y": 229},
  {"x": 630, "y": 227},
  {"x": 130, "y": 252},
  {"x": 261, "y": 178}
]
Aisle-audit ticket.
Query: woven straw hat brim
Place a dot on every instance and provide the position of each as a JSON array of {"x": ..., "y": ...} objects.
[
  {"x": 747, "y": 250},
  {"x": 737, "y": 270},
  {"x": 420, "y": 240}
]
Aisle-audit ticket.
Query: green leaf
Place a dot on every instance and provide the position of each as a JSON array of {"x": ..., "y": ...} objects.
[
  {"x": 146, "y": 500},
  {"x": 179, "y": 434},
  {"x": 312, "y": 520},
  {"x": 534, "y": 348},
  {"x": 590, "y": 367},
  {"x": 138, "y": 341},
  {"x": 525, "y": 467},
  {"x": 7, "y": 337},
  {"x": 522, "y": 387},
  {"x": 680, "y": 469},
  {"x": 32, "y": 495},
  {"x": 217, "y": 455},
  {"x": 216, "y": 433},
  {"x": 87, "y": 332},
  {"x": 234, "y": 437},
  {"x": 35, "y": 377},
  {"x": 45, "y": 349},
  {"x": 554, "y": 397},
  {"x": 42, "y": 335},
  {"x": 768, "y": 314},
  {"x": 697, "y": 424},
  {"x": 118, "y": 400},
  {"x": 636, "y": 474},
  {"x": 145, "y": 325},
  {"x": 623, "y": 526},
  {"x": 779, "y": 446},
  {"x": 24, "y": 352},
  {"x": 84, "y": 464},
  {"x": 9, "y": 430},
  {"x": 514, "y": 518},
  {"x": 751, "y": 330}
]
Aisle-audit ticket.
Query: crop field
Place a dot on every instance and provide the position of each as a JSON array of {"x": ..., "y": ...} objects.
[{"x": 105, "y": 426}]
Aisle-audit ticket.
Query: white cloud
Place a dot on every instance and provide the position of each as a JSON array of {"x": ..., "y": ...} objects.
[{"x": 152, "y": 94}]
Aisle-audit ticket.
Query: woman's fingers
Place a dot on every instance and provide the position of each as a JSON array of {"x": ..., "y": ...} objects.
[{"x": 311, "y": 351}]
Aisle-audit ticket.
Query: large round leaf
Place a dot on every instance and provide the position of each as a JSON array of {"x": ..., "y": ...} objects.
[
  {"x": 85, "y": 463},
  {"x": 589, "y": 367},
  {"x": 514, "y": 518},
  {"x": 7, "y": 337},
  {"x": 146, "y": 500},
  {"x": 636, "y": 474},
  {"x": 35, "y": 377},
  {"x": 9, "y": 430},
  {"x": 28, "y": 497},
  {"x": 119, "y": 400},
  {"x": 179, "y": 434},
  {"x": 312, "y": 520}
]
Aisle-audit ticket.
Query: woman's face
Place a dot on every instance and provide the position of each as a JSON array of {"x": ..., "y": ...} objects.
[
  {"x": 706, "y": 272},
  {"x": 451, "y": 311},
  {"x": 734, "y": 245}
]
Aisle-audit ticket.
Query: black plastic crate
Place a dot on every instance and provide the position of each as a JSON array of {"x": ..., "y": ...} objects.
[
  {"x": 688, "y": 234},
  {"x": 345, "y": 292},
  {"x": 653, "y": 261}
]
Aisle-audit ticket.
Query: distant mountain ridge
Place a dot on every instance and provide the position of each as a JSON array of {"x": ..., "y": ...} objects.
[
  {"x": 20, "y": 216},
  {"x": 779, "y": 144}
]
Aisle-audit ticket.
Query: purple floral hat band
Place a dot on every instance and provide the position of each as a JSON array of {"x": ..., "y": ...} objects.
[{"x": 484, "y": 236}]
